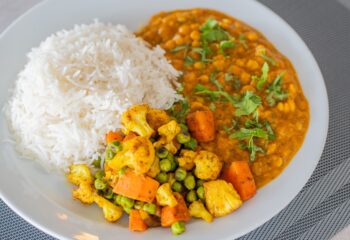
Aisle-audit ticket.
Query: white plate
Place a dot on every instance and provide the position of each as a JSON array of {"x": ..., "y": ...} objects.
[{"x": 44, "y": 199}]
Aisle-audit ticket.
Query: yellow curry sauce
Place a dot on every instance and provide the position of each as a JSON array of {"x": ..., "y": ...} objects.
[{"x": 235, "y": 66}]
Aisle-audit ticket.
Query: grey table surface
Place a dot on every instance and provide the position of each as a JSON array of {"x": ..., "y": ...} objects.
[{"x": 324, "y": 25}]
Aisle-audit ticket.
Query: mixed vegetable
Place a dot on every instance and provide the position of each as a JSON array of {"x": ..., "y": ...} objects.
[{"x": 155, "y": 170}]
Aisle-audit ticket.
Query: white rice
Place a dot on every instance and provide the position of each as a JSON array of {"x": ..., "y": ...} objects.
[{"x": 75, "y": 86}]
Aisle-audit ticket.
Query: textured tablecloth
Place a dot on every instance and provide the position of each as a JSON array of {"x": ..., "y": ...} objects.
[{"x": 322, "y": 208}]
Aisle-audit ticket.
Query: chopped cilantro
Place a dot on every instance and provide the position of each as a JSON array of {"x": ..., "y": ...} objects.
[
  {"x": 243, "y": 41},
  {"x": 275, "y": 91},
  {"x": 233, "y": 126},
  {"x": 228, "y": 77},
  {"x": 263, "y": 78},
  {"x": 213, "y": 95},
  {"x": 270, "y": 132},
  {"x": 225, "y": 45},
  {"x": 179, "y": 48},
  {"x": 203, "y": 52},
  {"x": 188, "y": 60},
  {"x": 212, "y": 32},
  {"x": 269, "y": 59},
  {"x": 180, "y": 110},
  {"x": 217, "y": 84},
  {"x": 248, "y": 104}
]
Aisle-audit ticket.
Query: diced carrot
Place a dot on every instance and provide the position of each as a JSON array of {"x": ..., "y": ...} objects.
[
  {"x": 201, "y": 125},
  {"x": 170, "y": 215},
  {"x": 114, "y": 136},
  {"x": 138, "y": 187},
  {"x": 239, "y": 174},
  {"x": 136, "y": 222},
  {"x": 129, "y": 136}
]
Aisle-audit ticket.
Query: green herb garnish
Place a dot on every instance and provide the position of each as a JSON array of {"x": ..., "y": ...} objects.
[
  {"x": 263, "y": 78},
  {"x": 233, "y": 126},
  {"x": 249, "y": 136},
  {"x": 243, "y": 41},
  {"x": 248, "y": 104},
  {"x": 212, "y": 106},
  {"x": 228, "y": 77},
  {"x": 180, "y": 110},
  {"x": 203, "y": 52},
  {"x": 188, "y": 60},
  {"x": 275, "y": 91},
  {"x": 212, "y": 32},
  {"x": 217, "y": 84},
  {"x": 213, "y": 95},
  {"x": 225, "y": 45},
  {"x": 179, "y": 48},
  {"x": 269, "y": 59}
]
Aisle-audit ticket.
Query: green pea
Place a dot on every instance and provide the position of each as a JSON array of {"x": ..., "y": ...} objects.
[
  {"x": 150, "y": 208},
  {"x": 178, "y": 227},
  {"x": 177, "y": 187},
  {"x": 190, "y": 182},
  {"x": 174, "y": 165},
  {"x": 183, "y": 127},
  {"x": 162, "y": 152},
  {"x": 165, "y": 165},
  {"x": 109, "y": 154},
  {"x": 199, "y": 183},
  {"x": 100, "y": 184},
  {"x": 180, "y": 174},
  {"x": 183, "y": 137},
  {"x": 116, "y": 146},
  {"x": 117, "y": 200},
  {"x": 122, "y": 171},
  {"x": 99, "y": 174},
  {"x": 109, "y": 194},
  {"x": 191, "y": 196},
  {"x": 200, "y": 192},
  {"x": 162, "y": 177},
  {"x": 97, "y": 162},
  {"x": 127, "y": 202},
  {"x": 127, "y": 210},
  {"x": 171, "y": 178},
  {"x": 170, "y": 157},
  {"x": 138, "y": 205},
  {"x": 192, "y": 144}
]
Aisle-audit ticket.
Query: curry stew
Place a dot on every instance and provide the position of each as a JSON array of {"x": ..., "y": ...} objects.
[{"x": 261, "y": 114}]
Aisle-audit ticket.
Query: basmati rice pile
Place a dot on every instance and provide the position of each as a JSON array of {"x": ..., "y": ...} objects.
[{"x": 75, "y": 86}]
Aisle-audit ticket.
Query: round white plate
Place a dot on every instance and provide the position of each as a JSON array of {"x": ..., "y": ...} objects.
[{"x": 44, "y": 199}]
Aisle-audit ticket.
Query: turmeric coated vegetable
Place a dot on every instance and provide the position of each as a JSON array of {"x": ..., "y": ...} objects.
[
  {"x": 186, "y": 159},
  {"x": 154, "y": 170},
  {"x": 79, "y": 173},
  {"x": 114, "y": 136},
  {"x": 134, "y": 119},
  {"x": 201, "y": 125},
  {"x": 221, "y": 198},
  {"x": 138, "y": 187},
  {"x": 239, "y": 174},
  {"x": 167, "y": 134},
  {"x": 198, "y": 210},
  {"x": 136, "y": 223},
  {"x": 111, "y": 212},
  {"x": 85, "y": 193},
  {"x": 157, "y": 118},
  {"x": 170, "y": 215},
  {"x": 208, "y": 165},
  {"x": 165, "y": 196},
  {"x": 137, "y": 153}
]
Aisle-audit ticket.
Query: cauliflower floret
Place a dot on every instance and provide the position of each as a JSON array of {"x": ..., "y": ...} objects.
[
  {"x": 167, "y": 134},
  {"x": 221, "y": 198},
  {"x": 85, "y": 193},
  {"x": 137, "y": 153},
  {"x": 155, "y": 169},
  {"x": 79, "y": 173},
  {"x": 186, "y": 159},
  {"x": 134, "y": 119},
  {"x": 198, "y": 210},
  {"x": 111, "y": 212},
  {"x": 208, "y": 165},
  {"x": 169, "y": 131},
  {"x": 165, "y": 196},
  {"x": 157, "y": 118}
]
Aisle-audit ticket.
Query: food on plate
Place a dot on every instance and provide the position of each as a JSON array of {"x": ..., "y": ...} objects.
[
  {"x": 257, "y": 104},
  {"x": 75, "y": 87},
  {"x": 161, "y": 135},
  {"x": 157, "y": 179}
]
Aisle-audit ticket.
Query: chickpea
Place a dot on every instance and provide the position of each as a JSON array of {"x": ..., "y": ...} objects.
[
  {"x": 179, "y": 41},
  {"x": 240, "y": 62},
  {"x": 236, "y": 70},
  {"x": 184, "y": 29},
  {"x": 219, "y": 64},
  {"x": 170, "y": 44},
  {"x": 203, "y": 79},
  {"x": 252, "y": 65},
  {"x": 245, "y": 77},
  {"x": 195, "y": 35},
  {"x": 247, "y": 88},
  {"x": 196, "y": 44},
  {"x": 291, "y": 104},
  {"x": 252, "y": 36},
  {"x": 198, "y": 65},
  {"x": 280, "y": 106}
]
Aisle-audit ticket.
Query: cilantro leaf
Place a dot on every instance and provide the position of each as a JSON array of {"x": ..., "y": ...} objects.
[
  {"x": 180, "y": 110},
  {"x": 188, "y": 60},
  {"x": 225, "y": 45},
  {"x": 217, "y": 84},
  {"x": 269, "y": 59},
  {"x": 263, "y": 78},
  {"x": 203, "y": 52},
  {"x": 248, "y": 133},
  {"x": 228, "y": 77},
  {"x": 243, "y": 41},
  {"x": 179, "y": 48},
  {"x": 275, "y": 91},
  {"x": 248, "y": 103},
  {"x": 209, "y": 24},
  {"x": 212, "y": 32},
  {"x": 213, "y": 95},
  {"x": 270, "y": 132}
]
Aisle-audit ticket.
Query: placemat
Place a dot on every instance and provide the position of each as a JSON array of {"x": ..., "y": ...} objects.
[{"x": 322, "y": 208}]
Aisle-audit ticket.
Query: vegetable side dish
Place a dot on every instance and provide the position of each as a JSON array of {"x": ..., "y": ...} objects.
[{"x": 155, "y": 171}]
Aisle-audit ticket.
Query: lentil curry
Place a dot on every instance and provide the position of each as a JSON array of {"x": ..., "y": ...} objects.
[{"x": 261, "y": 114}]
